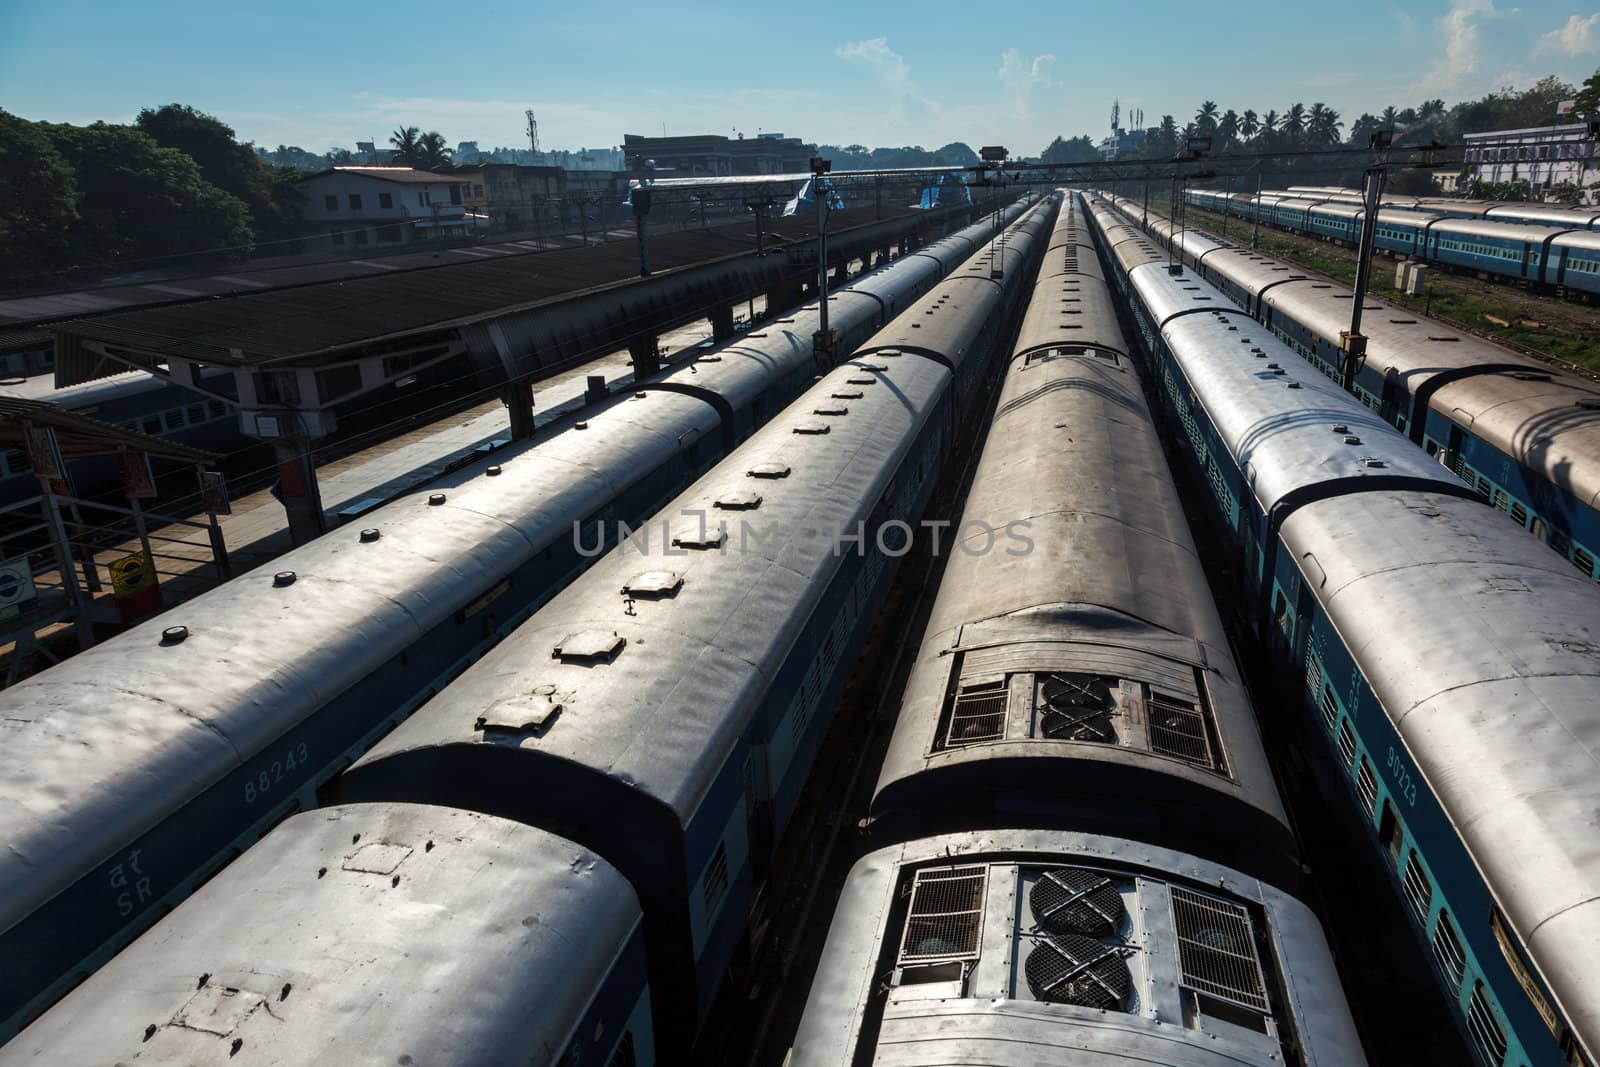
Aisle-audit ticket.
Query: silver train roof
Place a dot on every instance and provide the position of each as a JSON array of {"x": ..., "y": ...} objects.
[
  {"x": 1276, "y": 414},
  {"x": 1113, "y": 583},
  {"x": 1484, "y": 651},
  {"x": 670, "y": 683},
  {"x": 1549, "y": 421},
  {"x": 99, "y": 749},
  {"x": 983, "y": 1027},
  {"x": 362, "y": 934}
]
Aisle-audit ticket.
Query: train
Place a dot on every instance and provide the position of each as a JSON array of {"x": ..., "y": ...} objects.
[
  {"x": 1525, "y": 435},
  {"x": 1582, "y": 218},
  {"x": 1079, "y": 851},
  {"x": 1560, "y": 257},
  {"x": 232, "y": 711},
  {"x": 134, "y": 400},
  {"x": 1445, "y": 666}
]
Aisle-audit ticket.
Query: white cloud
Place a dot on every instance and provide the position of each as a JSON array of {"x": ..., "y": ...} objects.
[
  {"x": 876, "y": 55},
  {"x": 1021, "y": 76},
  {"x": 1579, "y": 37},
  {"x": 1460, "y": 61}
]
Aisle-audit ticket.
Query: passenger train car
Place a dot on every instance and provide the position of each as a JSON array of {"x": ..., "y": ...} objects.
[
  {"x": 136, "y": 400},
  {"x": 1449, "y": 669},
  {"x": 1526, "y": 436},
  {"x": 233, "y": 710},
  {"x": 1091, "y": 862},
  {"x": 654, "y": 721},
  {"x": 1535, "y": 248}
]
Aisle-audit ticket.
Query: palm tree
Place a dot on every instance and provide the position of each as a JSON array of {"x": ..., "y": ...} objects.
[
  {"x": 1228, "y": 127},
  {"x": 1167, "y": 137},
  {"x": 1294, "y": 122},
  {"x": 1431, "y": 111},
  {"x": 1249, "y": 125},
  {"x": 407, "y": 150},
  {"x": 433, "y": 155},
  {"x": 1205, "y": 119},
  {"x": 1322, "y": 126},
  {"x": 1269, "y": 122},
  {"x": 1389, "y": 118}
]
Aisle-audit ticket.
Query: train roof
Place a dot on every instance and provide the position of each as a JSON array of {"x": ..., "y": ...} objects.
[
  {"x": 368, "y": 933},
  {"x": 1288, "y": 426},
  {"x": 1506, "y": 231},
  {"x": 1111, "y": 585},
  {"x": 990, "y": 1015},
  {"x": 76, "y": 782},
  {"x": 655, "y": 690},
  {"x": 1484, "y": 651}
]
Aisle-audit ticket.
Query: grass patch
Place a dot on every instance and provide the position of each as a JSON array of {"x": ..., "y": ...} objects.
[{"x": 1571, "y": 331}]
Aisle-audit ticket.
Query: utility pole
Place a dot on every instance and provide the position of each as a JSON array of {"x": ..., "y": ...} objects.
[
  {"x": 1255, "y": 217},
  {"x": 822, "y": 344},
  {"x": 1352, "y": 343},
  {"x": 1145, "y": 221}
]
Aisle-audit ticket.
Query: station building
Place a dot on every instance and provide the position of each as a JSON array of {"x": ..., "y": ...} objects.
[{"x": 1542, "y": 156}]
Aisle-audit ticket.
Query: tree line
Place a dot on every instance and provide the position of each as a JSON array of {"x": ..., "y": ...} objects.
[
  {"x": 1298, "y": 128},
  {"x": 105, "y": 196}
]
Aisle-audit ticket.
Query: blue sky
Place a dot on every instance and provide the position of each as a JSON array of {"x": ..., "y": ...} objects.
[{"x": 332, "y": 72}]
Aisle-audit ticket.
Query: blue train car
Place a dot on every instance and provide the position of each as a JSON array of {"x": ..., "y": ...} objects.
[{"x": 1440, "y": 661}]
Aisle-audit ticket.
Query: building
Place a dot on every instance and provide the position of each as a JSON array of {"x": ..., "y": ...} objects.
[
  {"x": 355, "y": 207},
  {"x": 1121, "y": 142},
  {"x": 514, "y": 197},
  {"x": 1541, "y": 157},
  {"x": 712, "y": 155}
]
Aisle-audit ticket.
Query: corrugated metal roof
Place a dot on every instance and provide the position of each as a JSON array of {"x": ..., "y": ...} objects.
[
  {"x": 256, "y": 327},
  {"x": 80, "y": 435}
]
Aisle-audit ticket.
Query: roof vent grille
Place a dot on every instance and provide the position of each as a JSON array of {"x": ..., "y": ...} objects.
[
  {"x": 1077, "y": 970},
  {"x": 979, "y": 714},
  {"x": 1217, "y": 950},
  {"x": 945, "y": 920},
  {"x": 1077, "y": 707},
  {"x": 1075, "y": 900}
]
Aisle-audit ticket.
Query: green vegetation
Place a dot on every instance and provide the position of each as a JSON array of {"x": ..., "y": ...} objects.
[
  {"x": 1570, "y": 332},
  {"x": 102, "y": 196}
]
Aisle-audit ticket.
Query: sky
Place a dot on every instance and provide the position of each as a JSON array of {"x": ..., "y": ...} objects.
[{"x": 327, "y": 74}]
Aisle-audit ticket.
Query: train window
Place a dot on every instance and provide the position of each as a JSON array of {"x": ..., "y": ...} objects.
[
  {"x": 172, "y": 420},
  {"x": 1330, "y": 707},
  {"x": 715, "y": 882},
  {"x": 151, "y": 425},
  {"x": 1389, "y": 832},
  {"x": 1347, "y": 743},
  {"x": 1418, "y": 887},
  {"x": 1367, "y": 786},
  {"x": 1501, "y": 500},
  {"x": 1485, "y": 1029},
  {"x": 195, "y": 413},
  {"x": 216, "y": 409},
  {"x": 1521, "y": 969},
  {"x": 1485, "y": 488},
  {"x": 1448, "y": 951},
  {"x": 1519, "y": 513},
  {"x": 1583, "y": 560},
  {"x": 945, "y": 920}
]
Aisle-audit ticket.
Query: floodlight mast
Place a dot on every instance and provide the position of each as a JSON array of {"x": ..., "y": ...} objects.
[
  {"x": 1352, "y": 343},
  {"x": 822, "y": 344}
]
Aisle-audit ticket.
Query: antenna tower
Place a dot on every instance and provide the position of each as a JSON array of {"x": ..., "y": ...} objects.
[{"x": 533, "y": 131}]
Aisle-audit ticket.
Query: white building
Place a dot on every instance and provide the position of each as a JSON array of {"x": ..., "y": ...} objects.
[
  {"x": 350, "y": 208},
  {"x": 1542, "y": 157}
]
